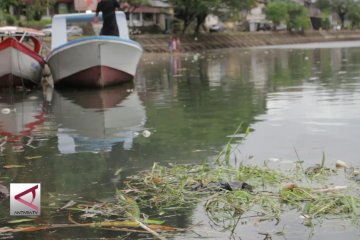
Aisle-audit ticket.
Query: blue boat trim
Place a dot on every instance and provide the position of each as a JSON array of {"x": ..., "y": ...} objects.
[
  {"x": 84, "y": 39},
  {"x": 73, "y": 17}
]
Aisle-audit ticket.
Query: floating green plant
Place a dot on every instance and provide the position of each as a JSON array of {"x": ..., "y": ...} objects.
[{"x": 229, "y": 194}]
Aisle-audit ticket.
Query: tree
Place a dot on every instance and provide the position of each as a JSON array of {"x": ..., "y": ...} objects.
[
  {"x": 323, "y": 5},
  {"x": 191, "y": 10},
  {"x": 293, "y": 14},
  {"x": 276, "y": 12},
  {"x": 299, "y": 19},
  {"x": 36, "y": 9},
  {"x": 234, "y": 7},
  {"x": 341, "y": 7},
  {"x": 354, "y": 16},
  {"x": 6, "y": 4},
  {"x": 133, "y": 4},
  {"x": 237, "y": 5}
]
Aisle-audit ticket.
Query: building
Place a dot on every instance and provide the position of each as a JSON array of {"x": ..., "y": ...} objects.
[
  {"x": 157, "y": 13},
  {"x": 256, "y": 17},
  {"x": 64, "y": 6}
]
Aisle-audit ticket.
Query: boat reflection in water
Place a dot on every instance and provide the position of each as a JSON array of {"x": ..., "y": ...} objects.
[
  {"x": 22, "y": 119},
  {"x": 94, "y": 120}
]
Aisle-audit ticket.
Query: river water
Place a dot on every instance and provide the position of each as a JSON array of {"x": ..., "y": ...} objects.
[{"x": 300, "y": 102}]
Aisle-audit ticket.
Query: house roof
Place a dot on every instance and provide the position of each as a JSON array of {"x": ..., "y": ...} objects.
[
  {"x": 146, "y": 9},
  {"x": 154, "y": 6},
  {"x": 58, "y": 1},
  {"x": 153, "y": 3},
  {"x": 160, "y": 3}
]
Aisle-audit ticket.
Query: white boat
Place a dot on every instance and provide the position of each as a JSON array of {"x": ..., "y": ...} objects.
[
  {"x": 95, "y": 61},
  {"x": 20, "y": 62},
  {"x": 93, "y": 120}
]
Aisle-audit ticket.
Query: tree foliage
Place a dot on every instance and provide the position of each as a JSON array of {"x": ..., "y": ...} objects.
[
  {"x": 293, "y": 14},
  {"x": 6, "y": 4},
  {"x": 133, "y": 4},
  {"x": 197, "y": 10},
  {"x": 353, "y": 16},
  {"x": 277, "y": 12},
  {"x": 5, "y": 16},
  {"x": 38, "y": 8},
  {"x": 341, "y": 7},
  {"x": 298, "y": 17},
  {"x": 189, "y": 10},
  {"x": 233, "y": 10},
  {"x": 323, "y": 5}
]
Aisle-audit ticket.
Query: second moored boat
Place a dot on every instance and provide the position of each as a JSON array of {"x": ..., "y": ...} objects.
[{"x": 95, "y": 61}]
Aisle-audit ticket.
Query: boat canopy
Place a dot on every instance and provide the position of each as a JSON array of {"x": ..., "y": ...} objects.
[{"x": 59, "y": 23}]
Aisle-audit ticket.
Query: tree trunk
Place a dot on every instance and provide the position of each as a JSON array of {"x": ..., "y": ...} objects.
[
  {"x": 200, "y": 19},
  {"x": 186, "y": 25},
  {"x": 342, "y": 19}
]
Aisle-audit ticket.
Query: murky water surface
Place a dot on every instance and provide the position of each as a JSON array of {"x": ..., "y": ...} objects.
[{"x": 299, "y": 103}]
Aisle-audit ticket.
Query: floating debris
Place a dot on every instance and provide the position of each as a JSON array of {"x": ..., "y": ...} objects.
[
  {"x": 21, "y": 220},
  {"x": 219, "y": 186},
  {"x": 273, "y": 159},
  {"x": 33, "y": 98},
  {"x": 67, "y": 205},
  {"x": 146, "y": 133},
  {"x": 4, "y": 192},
  {"x": 111, "y": 225},
  {"x": 331, "y": 189},
  {"x": 13, "y": 166},
  {"x": 33, "y": 157},
  {"x": 118, "y": 172},
  {"x": 180, "y": 186},
  {"x": 5, "y": 110},
  {"x": 341, "y": 164},
  {"x": 313, "y": 78},
  {"x": 196, "y": 57}
]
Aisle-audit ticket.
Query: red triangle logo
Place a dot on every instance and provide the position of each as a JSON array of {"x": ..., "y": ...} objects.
[{"x": 29, "y": 204}]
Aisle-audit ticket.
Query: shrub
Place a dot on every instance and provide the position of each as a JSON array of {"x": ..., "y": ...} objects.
[
  {"x": 10, "y": 19},
  {"x": 35, "y": 24}
]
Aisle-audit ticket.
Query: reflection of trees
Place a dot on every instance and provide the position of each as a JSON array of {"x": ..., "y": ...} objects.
[
  {"x": 200, "y": 108},
  {"x": 297, "y": 69},
  {"x": 197, "y": 113}
]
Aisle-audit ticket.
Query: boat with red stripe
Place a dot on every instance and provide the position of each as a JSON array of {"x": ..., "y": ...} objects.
[{"x": 21, "y": 63}]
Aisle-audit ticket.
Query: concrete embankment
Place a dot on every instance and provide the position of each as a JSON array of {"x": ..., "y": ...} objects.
[{"x": 159, "y": 43}]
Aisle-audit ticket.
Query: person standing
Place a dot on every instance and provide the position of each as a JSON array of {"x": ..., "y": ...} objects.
[
  {"x": 172, "y": 45},
  {"x": 178, "y": 44},
  {"x": 108, "y": 8}
]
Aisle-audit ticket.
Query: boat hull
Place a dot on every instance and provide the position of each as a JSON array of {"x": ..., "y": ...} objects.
[
  {"x": 19, "y": 66},
  {"x": 94, "y": 62}
]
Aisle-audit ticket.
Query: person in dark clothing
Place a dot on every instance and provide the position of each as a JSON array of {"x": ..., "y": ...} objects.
[{"x": 108, "y": 8}]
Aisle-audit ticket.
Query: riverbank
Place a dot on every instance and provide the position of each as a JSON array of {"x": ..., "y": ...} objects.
[{"x": 159, "y": 43}]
